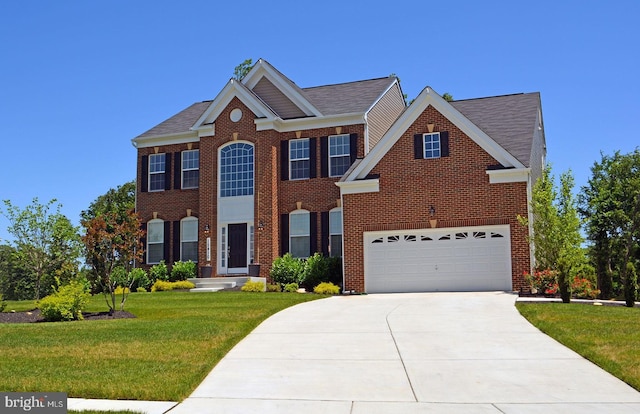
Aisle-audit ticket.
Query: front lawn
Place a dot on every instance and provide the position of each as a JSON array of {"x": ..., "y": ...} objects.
[
  {"x": 609, "y": 336},
  {"x": 163, "y": 354}
]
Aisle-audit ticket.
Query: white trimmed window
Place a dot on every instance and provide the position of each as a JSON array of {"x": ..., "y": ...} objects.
[
  {"x": 157, "y": 174},
  {"x": 155, "y": 241},
  {"x": 432, "y": 145},
  {"x": 299, "y": 159},
  {"x": 299, "y": 233},
  {"x": 190, "y": 168},
  {"x": 339, "y": 154},
  {"x": 189, "y": 239},
  {"x": 335, "y": 232},
  {"x": 236, "y": 170}
]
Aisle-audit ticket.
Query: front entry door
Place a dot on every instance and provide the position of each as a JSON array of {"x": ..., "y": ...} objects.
[{"x": 237, "y": 252}]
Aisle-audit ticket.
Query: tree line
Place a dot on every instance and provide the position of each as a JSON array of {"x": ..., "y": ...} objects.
[{"x": 605, "y": 214}]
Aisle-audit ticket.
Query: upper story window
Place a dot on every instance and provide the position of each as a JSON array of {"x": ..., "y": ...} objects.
[
  {"x": 339, "y": 154},
  {"x": 431, "y": 145},
  {"x": 157, "y": 172},
  {"x": 299, "y": 159},
  {"x": 236, "y": 170},
  {"x": 300, "y": 233},
  {"x": 190, "y": 168},
  {"x": 189, "y": 239},
  {"x": 155, "y": 241}
]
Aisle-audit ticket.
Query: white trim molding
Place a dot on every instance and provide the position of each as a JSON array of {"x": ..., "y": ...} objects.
[
  {"x": 359, "y": 186},
  {"x": 510, "y": 175}
]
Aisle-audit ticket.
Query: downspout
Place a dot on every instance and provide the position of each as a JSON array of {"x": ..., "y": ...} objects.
[{"x": 135, "y": 196}]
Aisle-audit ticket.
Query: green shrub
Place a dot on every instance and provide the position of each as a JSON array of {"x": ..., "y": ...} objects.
[
  {"x": 273, "y": 288},
  {"x": 141, "y": 289},
  {"x": 141, "y": 279},
  {"x": 3, "y": 304},
  {"x": 630, "y": 286},
  {"x": 291, "y": 287},
  {"x": 162, "y": 286},
  {"x": 327, "y": 288},
  {"x": 316, "y": 271},
  {"x": 287, "y": 269},
  {"x": 253, "y": 286},
  {"x": 66, "y": 304},
  {"x": 159, "y": 272},
  {"x": 335, "y": 270},
  {"x": 183, "y": 271}
]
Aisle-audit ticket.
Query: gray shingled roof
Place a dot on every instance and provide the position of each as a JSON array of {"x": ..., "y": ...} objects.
[
  {"x": 346, "y": 98},
  {"x": 510, "y": 120},
  {"x": 180, "y": 122}
]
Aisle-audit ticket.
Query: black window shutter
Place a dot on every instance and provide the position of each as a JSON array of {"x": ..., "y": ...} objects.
[
  {"x": 444, "y": 144},
  {"x": 313, "y": 162},
  {"x": 177, "y": 170},
  {"x": 167, "y": 241},
  {"x": 167, "y": 171},
  {"x": 144, "y": 180},
  {"x": 313, "y": 232},
  {"x": 284, "y": 160},
  {"x": 353, "y": 147},
  {"x": 284, "y": 234},
  {"x": 143, "y": 241},
  {"x": 418, "y": 146},
  {"x": 324, "y": 232},
  {"x": 176, "y": 241},
  {"x": 324, "y": 156}
]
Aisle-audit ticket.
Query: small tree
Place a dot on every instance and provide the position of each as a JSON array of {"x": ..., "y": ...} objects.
[
  {"x": 556, "y": 229},
  {"x": 112, "y": 242},
  {"x": 46, "y": 243}
]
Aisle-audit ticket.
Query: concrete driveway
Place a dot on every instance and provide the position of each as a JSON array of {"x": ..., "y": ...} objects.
[{"x": 406, "y": 353}]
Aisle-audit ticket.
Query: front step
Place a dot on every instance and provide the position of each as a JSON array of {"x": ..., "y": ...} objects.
[{"x": 215, "y": 284}]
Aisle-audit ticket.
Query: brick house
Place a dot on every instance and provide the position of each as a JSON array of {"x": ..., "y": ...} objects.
[{"x": 417, "y": 198}]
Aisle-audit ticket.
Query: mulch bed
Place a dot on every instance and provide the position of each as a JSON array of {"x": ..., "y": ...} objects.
[{"x": 34, "y": 316}]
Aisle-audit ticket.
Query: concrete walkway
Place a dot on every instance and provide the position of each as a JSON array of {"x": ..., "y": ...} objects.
[{"x": 406, "y": 353}]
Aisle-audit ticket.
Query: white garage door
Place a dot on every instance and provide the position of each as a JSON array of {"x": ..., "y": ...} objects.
[{"x": 454, "y": 259}]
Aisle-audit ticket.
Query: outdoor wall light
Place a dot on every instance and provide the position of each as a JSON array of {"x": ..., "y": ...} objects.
[
  {"x": 206, "y": 228},
  {"x": 260, "y": 225},
  {"x": 432, "y": 211}
]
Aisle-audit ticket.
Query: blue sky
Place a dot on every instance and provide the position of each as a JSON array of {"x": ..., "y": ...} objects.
[{"x": 79, "y": 79}]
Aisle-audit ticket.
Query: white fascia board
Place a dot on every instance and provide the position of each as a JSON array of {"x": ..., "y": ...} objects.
[
  {"x": 297, "y": 124},
  {"x": 511, "y": 175},
  {"x": 169, "y": 139},
  {"x": 421, "y": 103},
  {"x": 359, "y": 186},
  {"x": 231, "y": 90},
  {"x": 206, "y": 130},
  {"x": 264, "y": 69}
]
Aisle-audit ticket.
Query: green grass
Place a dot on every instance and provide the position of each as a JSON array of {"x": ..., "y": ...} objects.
[
  {"x": 20, "y": 305},
  {"x": 163, "y": 354},
  {"x": 609, "y": 336}
]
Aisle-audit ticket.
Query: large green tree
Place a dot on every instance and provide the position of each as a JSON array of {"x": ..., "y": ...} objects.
[
  {"x": 46, "y": 244},
  {"x": 556, "y": 235},
  {"x": 610, "y": 203},
  {"x": 119, "y": 200}
]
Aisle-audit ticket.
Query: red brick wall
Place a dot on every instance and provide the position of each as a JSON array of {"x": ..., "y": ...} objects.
[
  {"x": 272, "y": 196},
  {"x": 457, "y": 186},
  {"x": 170, "y": 205}
]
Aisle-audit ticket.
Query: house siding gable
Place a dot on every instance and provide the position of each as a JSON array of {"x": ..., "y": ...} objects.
[
  {"x": 384, "y": 113},
  {"x": 277, "y": 100}
]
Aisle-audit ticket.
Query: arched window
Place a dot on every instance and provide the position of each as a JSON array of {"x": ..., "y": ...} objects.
[
  {"x": 299, "y": 233},
  {"x": 189, "y": 239},
  {"x": 155, "y": 241},
  {"x": 236, "y": 170}
]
